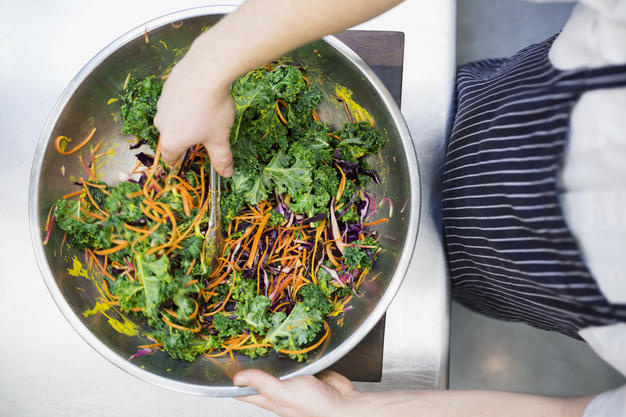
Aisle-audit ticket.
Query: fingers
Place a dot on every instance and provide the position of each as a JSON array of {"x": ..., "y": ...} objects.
[
  {"x": 221, "y": 156},
  {"x": 219, "y": 152},
  {"x": 171, "y": 150},
  {"x": 171, "y": 147},
  {"x": 263, "y": 382},
  {"x": 258, "y": 380},
  {"x": 337, "y": 381},
  {"x": 258, "y": 400}
]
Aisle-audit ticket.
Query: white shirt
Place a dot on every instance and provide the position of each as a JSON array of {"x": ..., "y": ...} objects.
[{"x": 593, "y": 178}]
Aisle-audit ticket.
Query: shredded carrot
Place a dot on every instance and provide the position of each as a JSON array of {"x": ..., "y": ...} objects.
[
  {"x": 77, "y": 218},
  {"x": 280, "y": 115},
  {"x": 286, "y": 303},
  {"x": 223, "y": 303},
  {"x": 60, "y": 139},
  {"x": 74, "y": 194},
  {"x": 381, "y": 220},
  {"x": 215, "y": 355},
  {"x": 331, "y": 256},
  {"x": 47, "y": 227},
  {"x": 335, "y": 136},
  {"x": 105, "y": 286},
  {"x": 202, "y": 185},
  {"x": 362, "y": 275},
  {"x": 134, "y": 194},
  {"x": 284, "y": 258},
  {"x": 318, "y": 234},
  {"x": 186, "y": 204},
  {"x": 135, "y": 229},
  {"x": 161, "y": 191},
  {"x": 100, "y": 266},
  {"x": 195, "y": 311},
  {"x": 100, "y": 186},
  {"x": 193, "y": 262},
  {"x": 90, "y": 214},
  {"x": 252, "y": 346},
  {"x": 153, "y": 345},
  {"x": 135, "y": 170},
  {"x": 111, "y": 250},
  {"x": 151, "y": 216},
  {"x": 172, "y": 236},
  {"x": 62, "y": 244},
  {"x": 179, "y": 327},
  {"x": 257, "y": 237},
  {"x": 140, "y": 238},
  {"x": 97, "y": 146},
  {"x": 91, "y": 198},
  {"x": 342, "y": 185}
]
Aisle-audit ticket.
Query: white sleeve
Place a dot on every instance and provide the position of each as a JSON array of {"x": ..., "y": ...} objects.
[
  {"x": 608, "y": 404},
  {"x": 609, "y": 342},
  {"x": 594, "y": 202}
]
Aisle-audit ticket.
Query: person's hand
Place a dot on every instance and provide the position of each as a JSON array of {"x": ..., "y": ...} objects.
[
  {"x": 328, "y": 395},
  {"x": 196, "y": 107}
]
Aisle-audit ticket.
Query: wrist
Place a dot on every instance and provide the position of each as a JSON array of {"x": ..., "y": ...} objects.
[
  {"x": 351, "y": 404},
  {"x": 212, "y": 62}
]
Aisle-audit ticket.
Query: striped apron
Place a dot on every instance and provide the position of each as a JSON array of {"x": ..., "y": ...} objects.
[{"x": 511, "y": 255}]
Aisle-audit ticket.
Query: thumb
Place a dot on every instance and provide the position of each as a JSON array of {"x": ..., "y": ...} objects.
[
  {"x": 220, "y": 156},
  {"x": 263, "y": 382}
]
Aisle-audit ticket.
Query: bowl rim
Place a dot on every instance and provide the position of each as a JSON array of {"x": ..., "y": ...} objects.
[{"x": 184, "y": 387}]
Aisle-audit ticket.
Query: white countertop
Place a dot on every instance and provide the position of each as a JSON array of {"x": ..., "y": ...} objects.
[{"x": 47, "y": 369}]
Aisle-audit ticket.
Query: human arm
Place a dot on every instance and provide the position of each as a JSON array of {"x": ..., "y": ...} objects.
[
  {"x": 195, "y": 105},
  {"x": 333, "y": 395}
]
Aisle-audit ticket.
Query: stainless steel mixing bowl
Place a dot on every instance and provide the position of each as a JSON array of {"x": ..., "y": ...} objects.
[{"x": 83, "y": 104}]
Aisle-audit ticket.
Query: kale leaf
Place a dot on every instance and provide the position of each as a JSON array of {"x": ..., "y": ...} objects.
[
  {"x": 358, "y": 139},
  {"x": 287, "y": 83},
  {"x": 181, "y": 344},
  {"x": 139, "y": 106},
  {"x": 254, "y": 312},
  {"x": 361, "y": 256},
  {"x": 314, "y": 298},
  {"x": 82, "y": 232},
  {"x": 118, "y": 202},
  {"x": 228, "y": 326},
  {"x": 153, "y": 274},
  {"x": 252, "y": 91},
  {"x": 296, "y": 330},
  {"x": 287, "y": 177}
]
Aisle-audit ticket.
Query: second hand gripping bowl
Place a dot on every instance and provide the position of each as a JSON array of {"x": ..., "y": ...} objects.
[{"x": 80, "y": 290}]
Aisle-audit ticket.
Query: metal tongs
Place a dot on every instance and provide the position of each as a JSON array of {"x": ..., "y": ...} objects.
[{"x": 213, "y": 233}]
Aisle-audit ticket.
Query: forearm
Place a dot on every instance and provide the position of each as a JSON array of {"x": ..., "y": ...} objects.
[
  {"x": 261, "y": 30},
  {"x": 465, "y": 403}
]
